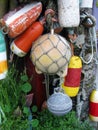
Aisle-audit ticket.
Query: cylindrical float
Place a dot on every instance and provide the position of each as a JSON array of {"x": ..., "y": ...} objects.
[
  {"x": 72, "y": 79},
  {"x": 86, "y": 4},
  {"x": 22, "y": 44},
  {"x": 93, "y": 106},
  {"x": 20, "y": 20},
  {"x": 3, "y": 57},
  {"x": 68, "y": 13},
  {"x": 50, "y": 53}
]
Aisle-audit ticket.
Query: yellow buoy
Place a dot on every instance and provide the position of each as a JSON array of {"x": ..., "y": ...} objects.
[{"x": 72, "y": 79}]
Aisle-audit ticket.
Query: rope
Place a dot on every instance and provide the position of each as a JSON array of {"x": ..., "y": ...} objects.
[
  {"x": 96, "y": 59},
  {"x": 91, "y": 57},
  {"x": 95, "y": 39},
  {"x": 47, "y": 84}
]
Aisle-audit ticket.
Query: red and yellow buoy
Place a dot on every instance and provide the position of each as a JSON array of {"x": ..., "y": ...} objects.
[
  {"x": 73, "y": 77},
  {"x": 93, "y": 106}
]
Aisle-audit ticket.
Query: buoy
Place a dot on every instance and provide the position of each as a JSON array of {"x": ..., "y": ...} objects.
[
  {"x": 86, "y": 3},
  {"x": 93, "y": 106},
  {"x": 50, "y": 53},
  {"x": 68, "y": 13},
  {"x": 21, "y": 19},
  {"x": 71, "y": 83},
  {"x": 3, "y": 57},
  {"x": 23, "y": 43}
]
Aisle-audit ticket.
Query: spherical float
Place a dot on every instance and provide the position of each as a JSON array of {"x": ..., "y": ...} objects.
[
  {"x": 59, "y": 104},
  {"x": 50, "y": 53}
]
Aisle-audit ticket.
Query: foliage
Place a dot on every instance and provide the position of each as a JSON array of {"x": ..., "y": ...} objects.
[
  {"x": 14, "y": 114},
  {"x": 13, "y": 91},
  {"x": 48, "y": 121}
]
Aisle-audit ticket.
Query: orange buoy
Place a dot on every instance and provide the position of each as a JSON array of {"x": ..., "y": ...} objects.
[
  {"x": 20, "y": 20},
  {"x": 22, "y": 44},
  {"x": 93, "y": 106},
  {"x": 72, "y": 79}
]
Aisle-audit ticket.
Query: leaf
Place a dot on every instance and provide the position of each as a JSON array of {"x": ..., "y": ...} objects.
[
  {"x": 7, "y": 108},
  {"x": 26, "y": 87},
  {"x": 26, "y": 110},
  {"x": 35, "y": 123},
  {"x": 24, "y": 78},
  {"x": 34, "y": 108}
]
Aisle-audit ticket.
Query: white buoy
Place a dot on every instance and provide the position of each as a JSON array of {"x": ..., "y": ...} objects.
[
  {"x": 68, "y": 13},
  {"x": 86, "y": 4}
]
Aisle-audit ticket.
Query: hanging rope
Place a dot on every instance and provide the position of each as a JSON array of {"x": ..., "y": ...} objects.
[
  {"x": 96, "y": 58},
  {"x": 95, "y": 39},
  {"x": 92, "y": 50},
  {"x": 47, "y": 84}
]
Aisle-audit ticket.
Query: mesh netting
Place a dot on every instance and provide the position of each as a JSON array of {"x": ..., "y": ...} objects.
[{"x": 50, "y": 53}]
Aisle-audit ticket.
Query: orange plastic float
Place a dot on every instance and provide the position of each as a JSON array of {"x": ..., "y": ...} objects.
[
  {"x": 22, "y": 44},
  {"x": 21, "y": 19}
]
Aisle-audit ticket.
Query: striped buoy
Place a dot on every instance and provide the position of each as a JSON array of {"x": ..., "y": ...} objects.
[
  {"x": 3, "y": 57},
  {"x": 16, "y": 23},
  {"x": 93, "y": 106},
  {"x": 72, "y": 79}
]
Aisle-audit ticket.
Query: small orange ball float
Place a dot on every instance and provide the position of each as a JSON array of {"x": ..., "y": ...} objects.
[
  {"x": 93, "y": 106},
  {"x": 72, "y": 79}
]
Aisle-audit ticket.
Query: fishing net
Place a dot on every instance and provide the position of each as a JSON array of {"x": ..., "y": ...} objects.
[{"x": 51, "y": 53}]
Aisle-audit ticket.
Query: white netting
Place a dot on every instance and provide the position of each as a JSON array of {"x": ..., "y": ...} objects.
[{"x": 50, "y": 53}]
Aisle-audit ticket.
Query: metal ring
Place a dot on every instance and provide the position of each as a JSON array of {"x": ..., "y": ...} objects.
[{"x": 4, "y": 32}]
